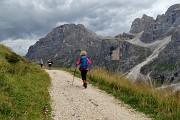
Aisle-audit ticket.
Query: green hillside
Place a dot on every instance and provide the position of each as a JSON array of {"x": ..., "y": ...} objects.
[{"x": 23, "y": 88}]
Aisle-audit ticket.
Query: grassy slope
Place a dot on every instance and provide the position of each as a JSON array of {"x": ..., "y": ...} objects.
[
  {"x": 156, "y": 104},
  {"x": 23, "y": 88}
]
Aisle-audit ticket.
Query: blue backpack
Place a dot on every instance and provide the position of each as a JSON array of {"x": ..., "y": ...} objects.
[{"x": 83, "y": 63}]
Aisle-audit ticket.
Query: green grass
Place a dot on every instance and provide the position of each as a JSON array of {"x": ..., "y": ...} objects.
[
  {"x": 23, "y": 88},
  {"x": 24, "y": 91},
  {"x": 158, "y": 105}
]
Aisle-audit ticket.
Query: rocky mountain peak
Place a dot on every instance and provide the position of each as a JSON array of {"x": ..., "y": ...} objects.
[
  {"x": 157, "y": 29},
  {"x": 155, "y": 43},
  {"x": 147, "y": 18},
  {"x": 172, "y": 15},
  {"x": 65, "y": 39},
  {"x": 173, "y": 8},
  {"x": 139, "y": 24},
  {"x": 165, "y": 29},
  {"x": 69, "y": 29}
]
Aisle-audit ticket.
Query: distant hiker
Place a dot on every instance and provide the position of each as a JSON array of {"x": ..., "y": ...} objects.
[
  {"x": 41, "y": 63},
  {"x": 83, "y": 61},
  {"x": 50, "y": 63}
]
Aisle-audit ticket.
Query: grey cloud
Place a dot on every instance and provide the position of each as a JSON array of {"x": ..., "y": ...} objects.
[
  {"x": 20, "y": 46},
  {"x": 21, "y": 18}
]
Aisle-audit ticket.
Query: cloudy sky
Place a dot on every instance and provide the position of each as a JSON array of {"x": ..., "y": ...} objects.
[{"x": 23, "y": 22}]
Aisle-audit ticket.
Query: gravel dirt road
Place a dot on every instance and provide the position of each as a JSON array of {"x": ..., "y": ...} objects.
[{"x": 73, "y": 102}]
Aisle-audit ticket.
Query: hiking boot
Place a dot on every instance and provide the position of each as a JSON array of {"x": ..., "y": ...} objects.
[{"x": 84, "y": 84}]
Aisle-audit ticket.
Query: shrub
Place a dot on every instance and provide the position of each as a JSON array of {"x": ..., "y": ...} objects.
[{"x": 12, "y": 58}]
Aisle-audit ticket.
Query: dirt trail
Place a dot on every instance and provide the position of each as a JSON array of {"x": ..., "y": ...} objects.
[{"x": 73, "y": 102}]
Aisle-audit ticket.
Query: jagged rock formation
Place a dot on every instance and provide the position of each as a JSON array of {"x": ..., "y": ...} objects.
[
  {"x": 150, "y": 49},
  {"x": 65, "y": 42},
  {"x": 167, "y": 63},
  {"x": 159, "y": 28},
  {"x": 125, "y": 36}
]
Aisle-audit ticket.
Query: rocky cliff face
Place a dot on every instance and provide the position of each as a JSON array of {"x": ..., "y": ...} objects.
[
  {"x": 159, "y": 28},
  {"x": 64, "y": 44},
  {"x": 167, "y": 63},
  {"x": 150, "y": 49}
]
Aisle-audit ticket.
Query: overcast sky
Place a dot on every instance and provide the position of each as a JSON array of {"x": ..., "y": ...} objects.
[{"x": 23, "y": 22}]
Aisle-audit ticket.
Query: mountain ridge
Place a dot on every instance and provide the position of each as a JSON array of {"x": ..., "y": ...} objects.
[{"x": 120, "y": 53}]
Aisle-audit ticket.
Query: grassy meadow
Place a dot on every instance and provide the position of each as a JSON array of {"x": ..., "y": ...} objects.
[
  {"x": 23, "y": 88},
  {"x": 159, "y": 105}
]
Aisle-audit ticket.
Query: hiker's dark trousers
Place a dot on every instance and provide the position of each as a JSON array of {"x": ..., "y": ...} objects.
[
  {"x": 49, "y": 65},
  {"x": 83, "y": 74}
]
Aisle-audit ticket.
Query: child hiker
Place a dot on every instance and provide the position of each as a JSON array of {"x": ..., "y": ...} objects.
[{"x": 83, "y": 61}]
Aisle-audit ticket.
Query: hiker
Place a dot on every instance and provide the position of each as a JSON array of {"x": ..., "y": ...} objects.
[
  {"x": 50, "y": 63},
  {"x": 41, "y": 63},
  {"x": 83, "y": 61}
]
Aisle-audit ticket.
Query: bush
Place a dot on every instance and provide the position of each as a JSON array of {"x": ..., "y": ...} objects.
[{"x": 12, "y": 58}]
